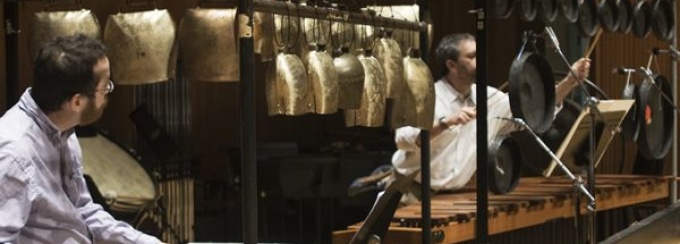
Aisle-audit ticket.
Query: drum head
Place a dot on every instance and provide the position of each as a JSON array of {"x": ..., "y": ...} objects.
[
  {"x": 117, "y": 174},
  {"x": 532, "y": 91},
  {"x": 625, "y": 16},
  {"x": 663, "y": 23},
  {"x": 570, "y": 10},
  {"x": 587, "y": 20},
  {"x": 656, "y": 119},
  {"x": 503, "y": 8},
  {"x": 504, "y": 165},
  {"x": 642, "y": 19},
  {"x": 608, "y": 13}
]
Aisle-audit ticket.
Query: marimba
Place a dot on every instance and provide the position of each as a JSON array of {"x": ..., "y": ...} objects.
[{"x": 535, "y": 201}]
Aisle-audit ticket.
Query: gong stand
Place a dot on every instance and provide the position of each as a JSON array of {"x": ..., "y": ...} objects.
[
  {"x": 591, "y": 104},
  {"x": 648, "y": 76}
]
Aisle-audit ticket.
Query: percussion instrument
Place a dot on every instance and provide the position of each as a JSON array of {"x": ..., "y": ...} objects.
[
  {"x": 504, "y": 165},
  {"x": 417, "y": 102},
  {"x": 625, "y": 16},
  {"x": 608, "y": 13},
  {"x": 124, "y": 184},
  {"x": 549, "y": 10},
  {"x": 588, "y": 21},
  {"x": 534, "y": 203},
  {"x": 141, "y": 47},
  {"x": 570, "y": 9},
  {"x": 208, "y": 46},
  {"x": 503, "y": 8},
  {"x": 527, "y": 10},
  {"x": 663, "y": 24},
  {"x": 48, "y": 25},
  {"x": 371, "y": 113},
  {"x": 655, "y": 118},
  {"x": 532, "y": 91},
  {"x": 642, "y": 19}
]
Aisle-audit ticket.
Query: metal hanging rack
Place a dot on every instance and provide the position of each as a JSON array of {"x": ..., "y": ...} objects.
[{"x": 247, "y": 91}]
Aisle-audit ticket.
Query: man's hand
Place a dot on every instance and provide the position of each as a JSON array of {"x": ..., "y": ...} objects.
[
  {"x": 465, "y": 115},
  {"x": 582, "y": 68}
]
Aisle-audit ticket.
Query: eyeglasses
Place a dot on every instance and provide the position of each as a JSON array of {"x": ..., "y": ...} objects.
[{"x": 109, "y": 87}]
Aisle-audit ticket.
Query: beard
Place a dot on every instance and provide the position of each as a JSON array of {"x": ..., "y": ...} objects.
[{"x": 91, "y": 113}]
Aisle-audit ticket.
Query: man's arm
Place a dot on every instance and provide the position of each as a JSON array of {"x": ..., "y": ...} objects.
[
  {"x": 582, "y": 68},
  {"x": 15, "y": 203}
]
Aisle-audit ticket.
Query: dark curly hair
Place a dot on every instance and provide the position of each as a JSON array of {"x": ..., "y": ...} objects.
[
  {"x": 63, "y": 68},
  {"x": 449, "y": 48}
]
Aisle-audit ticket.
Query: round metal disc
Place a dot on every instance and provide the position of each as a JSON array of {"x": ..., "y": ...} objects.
[
  {"x": 656, "y": 119},
  {"x": 503, "y": 8},
  {"x": 608, "y": 13},
  {"x": 532, "y": 91},
  {"x": 587, "y": 18},
  {"x": 528, "y": 10},
  {"x": 630, "y": 124},
  {"x": 642, "y": 19},
  {"x": 504, "y": 165},
  {"x": 570, "y": 10},
  {"x": 549, "y": 10},
  {"x": 538, "y": 160},
  {"x": 663, "y": 22},
  {"x": 625, "y": 16}
]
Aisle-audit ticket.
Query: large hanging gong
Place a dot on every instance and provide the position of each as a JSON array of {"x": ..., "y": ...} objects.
[
  {"x": 631, "y": 124},
  {"x": 625, "y": 16},
  {"x": 655, "y": 118},
  {"x": 528, "y": 9},
  {"x": 532, "y": 91},
  {"x": 504, "y": 165},
  {"x": 570, "y": 10},
  {"x": 549, "y": 10},
  {"x": 45, "y": 26},
  {"x": 420, "y": 87},
  {"x": 503, "y": 8},
  {"x": 372, "y": 110},
  {"x": 608, "y": 13},
  {"x": 587, "y": 18},
  {"x": 323, "y": 80},
  {"x": 663, "y": 22},
  {"x": 141, "y": 47},
  {"x": 207, "y": 44},
  {"x": 538, "y": 160},
  {"x": 642, "y": 19}
]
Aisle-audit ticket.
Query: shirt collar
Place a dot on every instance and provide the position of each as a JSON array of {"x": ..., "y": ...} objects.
[
  {"x": 28, "y": 105},
  {"x": 452, "y": 95}
]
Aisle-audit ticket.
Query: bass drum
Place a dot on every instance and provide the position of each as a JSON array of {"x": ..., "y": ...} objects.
[{"x": 125, "y": 186}]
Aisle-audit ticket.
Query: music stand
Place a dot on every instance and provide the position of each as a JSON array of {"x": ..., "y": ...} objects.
[{"x": 613, "y": 112}]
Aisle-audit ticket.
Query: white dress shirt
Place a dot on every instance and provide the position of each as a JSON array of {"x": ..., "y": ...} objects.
[{"x": 453, "y": 153}]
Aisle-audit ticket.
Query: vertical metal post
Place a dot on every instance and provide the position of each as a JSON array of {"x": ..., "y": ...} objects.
[
  {"x": 425, "y": 142},
  {"x": 674, "y": 80},
  {"x": 482, "y": 228},
  {"x": 425, "y": 186},
  {"x": 247, "y": 95}
]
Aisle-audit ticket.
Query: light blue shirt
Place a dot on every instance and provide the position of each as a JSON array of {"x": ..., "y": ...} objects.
[{"x": 43, "y": 196}]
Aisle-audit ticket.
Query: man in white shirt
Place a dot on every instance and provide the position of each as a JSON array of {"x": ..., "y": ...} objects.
[{"x": 453, "y": 136}]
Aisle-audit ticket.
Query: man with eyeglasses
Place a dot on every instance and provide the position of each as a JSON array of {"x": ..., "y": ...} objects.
[{"x": 43, "y": 195}]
